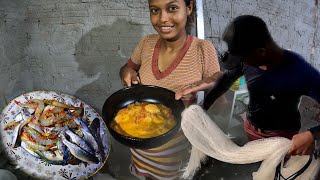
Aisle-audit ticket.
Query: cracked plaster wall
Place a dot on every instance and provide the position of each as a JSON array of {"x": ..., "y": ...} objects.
[
  {"x": 78, "y": 46},
  {"x": 15, "y": 77},
  {"x": 294, "y": 25}
]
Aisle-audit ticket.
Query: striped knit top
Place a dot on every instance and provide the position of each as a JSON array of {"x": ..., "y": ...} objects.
[{"x": 195, "y": 61}]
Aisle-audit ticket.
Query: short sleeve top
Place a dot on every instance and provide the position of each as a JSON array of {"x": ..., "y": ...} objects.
[{"x": 195, "y": 61}]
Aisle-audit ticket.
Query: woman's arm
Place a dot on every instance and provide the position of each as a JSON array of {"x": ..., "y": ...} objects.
[
  {"x": 128, "y": 75},
  {"x": 129, "y": 72},
  {"x": 219, "y": 83}
]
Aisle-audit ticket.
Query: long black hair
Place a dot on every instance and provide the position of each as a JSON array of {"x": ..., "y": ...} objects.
[
  {"x": 191, "y": 18},
  {"x": 249, "y": 32}
]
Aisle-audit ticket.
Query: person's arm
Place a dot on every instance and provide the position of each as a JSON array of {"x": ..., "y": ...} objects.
[
  {"x": 129, "y": 72},
  {"x": 210, "y": 71},
  {"x": 302, "y": 143},
  {"x": 128, "y": 75},
  {"x": 204, "y": 84},
  {"x": 222, "y": 84}
]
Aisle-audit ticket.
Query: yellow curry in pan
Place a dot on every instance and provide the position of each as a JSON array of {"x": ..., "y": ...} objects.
[{"x": 143, "y": 120}]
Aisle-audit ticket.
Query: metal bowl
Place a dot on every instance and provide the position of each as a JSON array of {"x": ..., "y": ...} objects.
[{"x": 142, "y": 93}]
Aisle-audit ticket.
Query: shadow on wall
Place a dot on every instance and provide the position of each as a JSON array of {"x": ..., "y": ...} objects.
[
  {"x": 100, "y": 54},
  {"x": 310, "y": 112}
]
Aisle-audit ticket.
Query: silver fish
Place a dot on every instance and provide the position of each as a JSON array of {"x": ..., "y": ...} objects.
[
  {"x": 79, "y": 141},
  {"x": 16, "y": 132},
  {"x": 64, "y": 151},
  {"x": 24, "y": 117},
  {"x": 95, "y": 131},
  {"x": 27, "y": 117},
  {"x": 78, "y": 152},
  {"x": 94, "y": 127},
  {"x": 86, "y": 132},
  {"x": 18, "y": 117}
]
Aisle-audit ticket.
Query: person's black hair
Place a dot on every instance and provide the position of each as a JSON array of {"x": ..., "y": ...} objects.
[
  {"x": 191, "y": 18},
  {"x": 249, "y": 32}
]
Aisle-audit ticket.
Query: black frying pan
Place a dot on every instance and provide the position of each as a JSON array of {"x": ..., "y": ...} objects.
[{"x": 142, "y": 93}]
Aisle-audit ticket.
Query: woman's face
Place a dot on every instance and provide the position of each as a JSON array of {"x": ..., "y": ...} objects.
[{"x": 169, "y": 18}]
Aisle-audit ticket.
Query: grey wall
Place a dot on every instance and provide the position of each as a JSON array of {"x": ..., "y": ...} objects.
[
  {"x": 71, "y": 46},
  {"x": 15, "y": 77},
  {"x": 78, "y": 46},
  {"x": 294, "y": 24}
]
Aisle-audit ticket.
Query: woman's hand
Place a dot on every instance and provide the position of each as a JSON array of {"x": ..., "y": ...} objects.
[
  {"x": 129, "y": 76},
  {"x": 302, "y": 144},
  {"x": 204, "y": 84}
]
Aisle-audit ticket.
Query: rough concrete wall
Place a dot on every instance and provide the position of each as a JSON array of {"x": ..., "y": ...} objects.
[
  {"x": 294, "y": 24},
  {"x": 78, "y": 47},
  {"x": 14, "y": 65}
]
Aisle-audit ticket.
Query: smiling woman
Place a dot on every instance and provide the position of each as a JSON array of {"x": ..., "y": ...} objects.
[
  {"x": 171, "y": 59},
  {"x": 167, "y": 17}
]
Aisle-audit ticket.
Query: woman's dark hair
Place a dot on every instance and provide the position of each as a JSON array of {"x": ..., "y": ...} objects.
[
  {"x": 248, "y": 33},
  {"x": 191, "y": 18}
]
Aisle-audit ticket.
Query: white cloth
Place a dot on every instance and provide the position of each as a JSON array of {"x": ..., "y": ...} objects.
[{"x": 208, "y": 139}]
